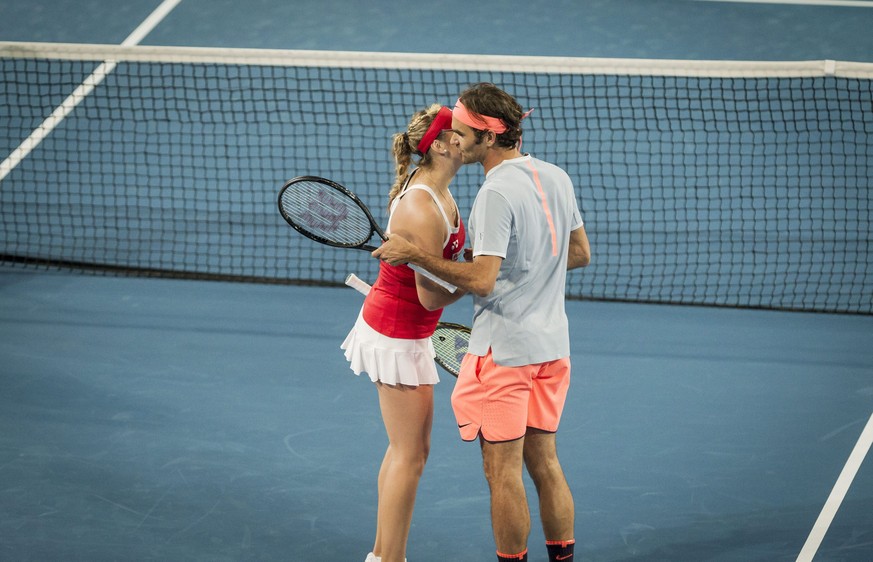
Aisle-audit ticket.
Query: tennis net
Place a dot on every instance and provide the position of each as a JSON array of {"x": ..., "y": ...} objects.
[{"x": 706, "y": 183}]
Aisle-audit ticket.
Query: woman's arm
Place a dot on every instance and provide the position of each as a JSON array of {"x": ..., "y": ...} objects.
[{"x": 417, "y": 218}]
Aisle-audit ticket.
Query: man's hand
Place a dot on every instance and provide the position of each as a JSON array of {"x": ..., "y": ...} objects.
[{"x": 397, "y": 250}]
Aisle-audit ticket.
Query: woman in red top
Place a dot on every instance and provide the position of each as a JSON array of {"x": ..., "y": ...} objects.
[{"x": 391, "y": 338}]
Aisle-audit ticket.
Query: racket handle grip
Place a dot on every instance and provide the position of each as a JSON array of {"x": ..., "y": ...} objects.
[
  {"x": 358, "y": 284},
  {"x": 444, "y": 284},
  {"x": 363, "y": 287}
]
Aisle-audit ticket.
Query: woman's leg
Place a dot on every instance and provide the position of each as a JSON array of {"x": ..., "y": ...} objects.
[
  {"x": 380, "y": 485},
  {"x": 408, "y": 416}
]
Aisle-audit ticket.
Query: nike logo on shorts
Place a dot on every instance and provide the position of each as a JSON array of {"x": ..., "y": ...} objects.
[{"x": 559, "y": 557}]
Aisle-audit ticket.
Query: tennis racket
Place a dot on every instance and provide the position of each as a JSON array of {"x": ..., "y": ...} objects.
[
  {"x": 450, "y": 341},
  {"x": 325, "y": 211}
]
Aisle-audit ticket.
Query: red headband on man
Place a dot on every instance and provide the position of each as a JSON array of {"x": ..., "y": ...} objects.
[
  {"x": 481, "y": 122},
  {"x": 441, "y": 122}
]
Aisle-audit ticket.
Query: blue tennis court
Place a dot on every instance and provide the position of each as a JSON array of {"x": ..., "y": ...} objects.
[
  {"x": 168, "y": 419},
  {"x": 175, "y": 420}
]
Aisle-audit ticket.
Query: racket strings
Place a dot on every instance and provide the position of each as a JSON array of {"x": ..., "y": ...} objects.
[
  {"x": 450, "y": 345},
  {"x": 326, "y": 213}
]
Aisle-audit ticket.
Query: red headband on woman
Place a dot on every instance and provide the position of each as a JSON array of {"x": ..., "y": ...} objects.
[{"x": 441, "y": 122}]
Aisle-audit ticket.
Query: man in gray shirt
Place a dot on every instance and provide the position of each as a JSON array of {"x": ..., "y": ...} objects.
[{"x": 526, "y": 232}]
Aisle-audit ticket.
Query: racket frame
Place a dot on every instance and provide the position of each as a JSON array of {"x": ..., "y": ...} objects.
[
  {"x": 455, "y": 328},
  {"x": 374, "y": 226}
]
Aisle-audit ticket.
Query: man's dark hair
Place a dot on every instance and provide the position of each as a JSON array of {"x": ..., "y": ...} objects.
[{"x": 489, "y": 100}]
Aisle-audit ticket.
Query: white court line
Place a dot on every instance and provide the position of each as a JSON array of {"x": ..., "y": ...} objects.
[
  {"x": 850, "y": 3},
  {"x": 82, "y": 91},
  {"x": 837, "y": 494}
]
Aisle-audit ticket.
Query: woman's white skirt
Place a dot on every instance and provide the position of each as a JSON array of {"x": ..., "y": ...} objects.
[{"x": 389, "y": 360}]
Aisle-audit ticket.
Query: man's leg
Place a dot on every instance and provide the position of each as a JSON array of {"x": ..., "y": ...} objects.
[
  {"x": 510, "y": 517},
  {"x": 556, "y": 501}
]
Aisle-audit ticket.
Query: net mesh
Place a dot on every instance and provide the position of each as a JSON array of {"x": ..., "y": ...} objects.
[{"x": 731, "y": 185}]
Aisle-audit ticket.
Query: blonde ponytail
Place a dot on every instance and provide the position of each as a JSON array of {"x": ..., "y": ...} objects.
[{"x": 405, "y": 144}]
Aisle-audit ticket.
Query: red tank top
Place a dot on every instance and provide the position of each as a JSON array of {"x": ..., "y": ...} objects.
[{"x": 392, "y": 308}]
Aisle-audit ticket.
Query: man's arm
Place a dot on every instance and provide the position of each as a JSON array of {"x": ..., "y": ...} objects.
[
  {"x": 579, "y": 251},
  {"x": 477, "y": 276}
]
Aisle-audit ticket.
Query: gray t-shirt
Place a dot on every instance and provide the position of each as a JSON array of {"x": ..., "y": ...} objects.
[{"x": 524, "y": 212}]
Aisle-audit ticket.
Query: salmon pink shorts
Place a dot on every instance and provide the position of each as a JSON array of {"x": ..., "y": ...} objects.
[{"x": 500, "y": 403}]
